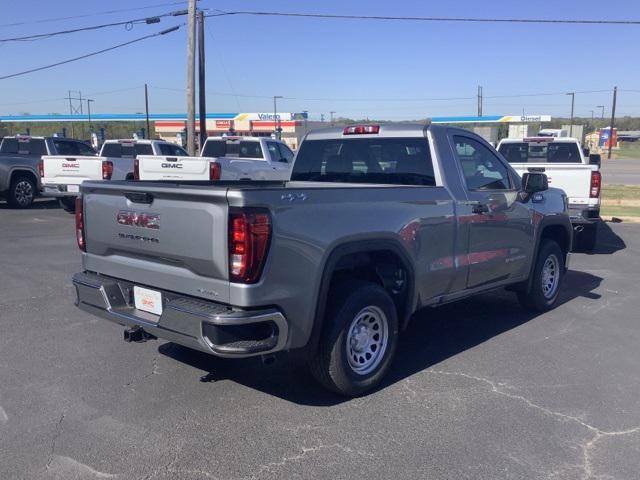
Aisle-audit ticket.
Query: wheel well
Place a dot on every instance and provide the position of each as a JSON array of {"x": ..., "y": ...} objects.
[
  {"x": 23, "y": 173},
  {"x": 558, "y": 234},
  {"x": 384, "y": 267}
]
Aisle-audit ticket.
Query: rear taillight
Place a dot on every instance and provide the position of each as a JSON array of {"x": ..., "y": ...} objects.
[
  {"x": 596, "y": 182},
  {"x": 107, "y": 169},
  {"x": 361, "y": 129},
  {"x": 136, "y": 169},
  {"x": 249, "y": 235},
  {"x": 41, "y": 168},
  {"x": 215, "y": 171},
  {"x": 80, "y": 224}
]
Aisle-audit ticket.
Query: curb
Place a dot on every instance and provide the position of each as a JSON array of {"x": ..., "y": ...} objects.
[{"x": 618, "y": 219}]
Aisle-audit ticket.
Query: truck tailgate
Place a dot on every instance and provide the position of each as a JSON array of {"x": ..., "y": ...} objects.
[
  {"x": 61, "y": 170},
  {"x": 157, "y": 167},
  {"x": 159, "y": 235},
  {"x": 574, "y": 179}
]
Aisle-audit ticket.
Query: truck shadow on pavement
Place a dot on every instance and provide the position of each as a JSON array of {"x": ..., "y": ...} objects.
[
  {"x": 434, "y": 335},
  {"x": 608, "y": 242},
  {"x": 39, "y": 204}
]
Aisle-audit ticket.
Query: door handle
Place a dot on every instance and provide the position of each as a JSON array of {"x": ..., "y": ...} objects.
[{"x": 480, "y": 208}]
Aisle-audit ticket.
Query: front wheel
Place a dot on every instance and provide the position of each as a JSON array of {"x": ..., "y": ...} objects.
[
  {"x": 548, "y": 273},
  {"x": 359, "y": 340},
  {"x": 68, "y": 204}
]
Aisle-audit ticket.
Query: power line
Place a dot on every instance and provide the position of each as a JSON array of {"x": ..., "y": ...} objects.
[
  {"x": 127, "y": 23},
  {"x": 544, "y": 94},
  {"x": 81, "y": 57},
  {"x": 429, "y": 19},
  {"x": 94, "y": 14}
]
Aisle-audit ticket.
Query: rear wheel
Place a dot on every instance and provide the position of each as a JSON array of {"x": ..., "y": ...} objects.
[
  {"x": 22, "y": 192},
  {"x": 359, "y": 340},
  {"x": 548, "y": 273},
  {"x": 68, "y": 204}
]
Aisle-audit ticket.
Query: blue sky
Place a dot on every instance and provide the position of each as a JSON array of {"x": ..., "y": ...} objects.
[{"x": 367, "y": 68}]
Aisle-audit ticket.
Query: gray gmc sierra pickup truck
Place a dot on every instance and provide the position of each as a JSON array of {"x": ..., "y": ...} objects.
[{"x": 377, "y": 222}]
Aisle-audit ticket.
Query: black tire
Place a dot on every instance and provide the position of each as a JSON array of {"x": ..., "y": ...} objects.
[
  {"x": 68, "y": 204},
  {"x": 588, "y": 238},
  {"x": 331, "y": 365},
  {"x": 539, "y": 298},
  {"x": 22, "y": 192}
]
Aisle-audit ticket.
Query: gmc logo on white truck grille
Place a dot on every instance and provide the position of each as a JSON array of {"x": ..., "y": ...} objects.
[{"x": 136, "y": 219}]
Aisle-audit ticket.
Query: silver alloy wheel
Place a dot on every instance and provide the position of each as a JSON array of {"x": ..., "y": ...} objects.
[
  {"x": 367, "y": 340},
  {"x": 550, "y": 276},
  {"x": 23, "y": 193}
]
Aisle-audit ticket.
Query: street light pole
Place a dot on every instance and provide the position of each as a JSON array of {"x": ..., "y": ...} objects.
[
  {"x": 275, "y": 116},
  {"x": 602, "y": 115},
  {"x": 573, "y": 98},
  {"x": 613, "y": 121},
  {"x": 89, "y": 100}
]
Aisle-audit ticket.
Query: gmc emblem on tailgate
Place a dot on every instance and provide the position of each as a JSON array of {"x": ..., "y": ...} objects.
[{"x": 136, "y": 219}]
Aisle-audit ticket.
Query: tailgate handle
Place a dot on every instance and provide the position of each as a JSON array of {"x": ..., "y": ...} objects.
[
  {"x": 139, "y": 197},
  {"x": 171, "y": 159},
  {"x": 536, "y": 169}
]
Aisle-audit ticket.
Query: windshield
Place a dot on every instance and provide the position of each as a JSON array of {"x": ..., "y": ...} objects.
[
  {"x": 523, "y": 152},
  {"x": 396, "y": 161},
  {"x": 232, "y": 148}
]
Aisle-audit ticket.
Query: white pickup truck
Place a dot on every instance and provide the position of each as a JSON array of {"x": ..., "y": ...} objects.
[
  {"x": 63, "y": 174},
  {"x": 222, "y": 158},
  {"x": 566, "y": 167}
]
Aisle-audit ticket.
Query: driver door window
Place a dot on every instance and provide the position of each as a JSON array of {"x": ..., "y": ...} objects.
[
  {"x": 482, "y": 170},
  {"x": 274, "y": 151},
  {"x": 286, "y": 155}
]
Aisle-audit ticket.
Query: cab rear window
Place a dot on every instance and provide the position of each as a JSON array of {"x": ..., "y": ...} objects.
[
  {"x": 31, "y": 146},
  {"x": 525, "y": 152},
  {"x": 232, "y": 148},
  {"x": 126, "y": 150},
  {"x": 394, "y": 161}
]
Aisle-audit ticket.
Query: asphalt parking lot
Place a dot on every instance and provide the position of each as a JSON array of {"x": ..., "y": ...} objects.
[{"x": 480, "y": 389}]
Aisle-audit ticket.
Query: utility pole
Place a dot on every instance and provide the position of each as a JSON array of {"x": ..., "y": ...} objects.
[
  {"x": 191, "y": 78},
  {"x": 202, "y": 104},
  {"x": 146, "y": 109},
  {"x": 573, "y": 98},
  {"x": 73, "y": 109},
  {"x": 613, "y": 121},
  {"x": 602, "y": 107},
  {"x": 331, "y": 114},
  {"x": 89, "y": 100},
  {"x": 306, "y": 120},
  {"x": 322, "y": 118},
  {"x": 480, "y": 99},
  {"x": 275, "y": 116}
]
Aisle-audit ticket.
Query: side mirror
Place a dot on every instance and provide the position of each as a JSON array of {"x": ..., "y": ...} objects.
[
  {"x": 586, "y": 151},
  {"x": 534, "y": 182},
  {"x": 595, "y": 159}
]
